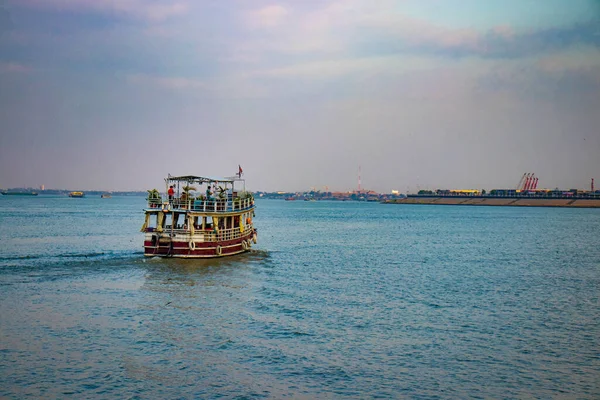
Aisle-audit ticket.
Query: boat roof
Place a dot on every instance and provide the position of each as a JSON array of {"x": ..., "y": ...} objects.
[{"x": 203, "y": 179}]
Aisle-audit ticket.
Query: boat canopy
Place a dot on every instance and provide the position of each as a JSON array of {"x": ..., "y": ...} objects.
[{"x": 202, "y": 179}]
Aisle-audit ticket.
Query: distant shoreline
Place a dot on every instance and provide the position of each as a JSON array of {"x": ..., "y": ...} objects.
[
  {"x": 61, "y": 192},
  {"x": 491, "y": 201}
]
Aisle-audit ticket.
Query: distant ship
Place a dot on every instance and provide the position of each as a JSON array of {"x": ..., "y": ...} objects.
[
  {"x": 76, "y": 194},
  {"x": 7, "y": 193},
  {"x": 106, "y": 195},
  {"x": 289, "y": 199}
]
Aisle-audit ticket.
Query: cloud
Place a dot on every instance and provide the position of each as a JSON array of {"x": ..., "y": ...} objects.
[
  {"x": 152, "y": 10},
  {"x": 167, "y": 82},
  {"x": 320, "y": 69},
  {"x": 372, "y": 28},
  {"x": 495, "y": 44},
  {"x": 569, "y": 77},
  {"x": 12, "y": 67},
  {"x": 400, "y": 34},
  {"x": 267, "y": 17},
  {"x": 581, "y": 58},
  {"x": 333, "y": 68}
]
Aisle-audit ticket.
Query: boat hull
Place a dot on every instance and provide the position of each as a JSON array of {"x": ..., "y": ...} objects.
[{"x": 166, "y": 247}]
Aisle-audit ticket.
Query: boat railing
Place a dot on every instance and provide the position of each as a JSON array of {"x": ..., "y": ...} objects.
[
  {"x": 208, "y": 234},
  {"x": 209, "y": 206},
  {"x": 154, "y": 202}
]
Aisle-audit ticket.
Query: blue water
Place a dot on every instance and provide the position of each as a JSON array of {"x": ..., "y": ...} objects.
[{"x": 338, "y": 300}]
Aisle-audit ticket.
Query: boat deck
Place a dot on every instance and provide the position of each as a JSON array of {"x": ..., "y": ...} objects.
[{"x": 202, "y": 206}]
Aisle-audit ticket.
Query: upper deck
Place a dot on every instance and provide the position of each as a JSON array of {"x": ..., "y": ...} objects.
[
  {"x": 227, "y": 205},
  {"x": 207, "y": 195}
]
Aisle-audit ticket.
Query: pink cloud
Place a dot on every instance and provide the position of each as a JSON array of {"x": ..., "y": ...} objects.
[
  {"x": 351, "y": 25},
  {"x": 267, "y": 17},
  {"x": 335, "y": 26}
]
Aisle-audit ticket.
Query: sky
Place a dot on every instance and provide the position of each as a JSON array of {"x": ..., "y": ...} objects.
[{"x": 423, "y": 94}]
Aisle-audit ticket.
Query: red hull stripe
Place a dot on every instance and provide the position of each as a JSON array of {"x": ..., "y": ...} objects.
[{"x": 201, "y": 250}]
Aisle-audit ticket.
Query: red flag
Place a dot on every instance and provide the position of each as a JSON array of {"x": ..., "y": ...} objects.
[{"x": 240, "y": 171}]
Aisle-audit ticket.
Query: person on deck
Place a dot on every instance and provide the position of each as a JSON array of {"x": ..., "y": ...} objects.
[
  {"x": 184, "y": 197},
  {"x": 171, "y": 193}
]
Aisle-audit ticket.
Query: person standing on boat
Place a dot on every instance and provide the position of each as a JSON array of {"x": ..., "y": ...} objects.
[
  {"x": 171, "y": 193},
  {"x": 184, "y": 199}
]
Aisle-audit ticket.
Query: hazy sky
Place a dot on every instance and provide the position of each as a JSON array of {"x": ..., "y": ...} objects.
[{"x": 115, "y": 94}]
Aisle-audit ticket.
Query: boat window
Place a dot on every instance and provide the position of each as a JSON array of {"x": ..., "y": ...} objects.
[
  {"x": 152, "y": 221},
  {"x": 178, "y": 221},
  {"x": 168, "y": 220}
]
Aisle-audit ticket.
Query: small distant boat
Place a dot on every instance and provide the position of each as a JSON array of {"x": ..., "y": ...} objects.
[
  {"x": 309, "y": 199},
  {"x": 19, "y": 193},
  {"x": 106, "y": 195},
  {"x": 290, "y": 199},
  {"x": 76, "y": 194}
]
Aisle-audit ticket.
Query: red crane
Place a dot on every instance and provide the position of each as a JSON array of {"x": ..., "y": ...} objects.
[
  {"x": 532, "y": 182},
  {"x": 521, "y": 182},
  {"x": 525, "y": 182},
  {"x": 528, "y": 182}
]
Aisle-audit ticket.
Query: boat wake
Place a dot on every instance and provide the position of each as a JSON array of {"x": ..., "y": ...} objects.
[{"x": 64, "y": 259}]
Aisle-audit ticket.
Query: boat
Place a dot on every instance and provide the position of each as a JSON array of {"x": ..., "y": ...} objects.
[
  {"x": 106, "y": 195},
  {"x": 18, "y": 193},
  {"x": 199, "y": 217},
  {"x": 290, "y": 199},
  {"x": 76, "y": 194}
]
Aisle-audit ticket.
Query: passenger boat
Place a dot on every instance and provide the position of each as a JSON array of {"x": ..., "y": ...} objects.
[
  {"x": 105, "y": 196},
  {"x": 203, "y": 218},
  {"x": 76, "y": 194}
]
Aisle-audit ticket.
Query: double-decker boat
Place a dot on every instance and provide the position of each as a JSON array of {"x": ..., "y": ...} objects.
[
  {"x": 199, "y": 217},
  {"x": 76, "y": 194}
]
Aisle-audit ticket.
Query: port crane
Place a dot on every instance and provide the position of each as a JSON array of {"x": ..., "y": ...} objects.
[{"x": 528, "y": 182}]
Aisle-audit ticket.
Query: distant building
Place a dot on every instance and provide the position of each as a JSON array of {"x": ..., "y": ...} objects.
[{"x": 468, "y": 192}]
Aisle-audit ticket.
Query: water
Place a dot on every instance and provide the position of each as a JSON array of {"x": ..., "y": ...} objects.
[{"x": 338, "y": 300}]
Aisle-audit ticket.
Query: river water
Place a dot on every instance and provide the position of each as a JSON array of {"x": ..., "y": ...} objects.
[{"x": 337, "y": 300}]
